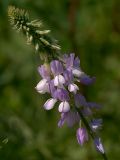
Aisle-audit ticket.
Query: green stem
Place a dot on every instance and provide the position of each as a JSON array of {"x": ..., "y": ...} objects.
[{"x": 92, "y": 134}]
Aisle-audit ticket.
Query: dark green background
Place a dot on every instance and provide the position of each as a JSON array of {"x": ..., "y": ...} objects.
[{"x": 91, "y": 28}]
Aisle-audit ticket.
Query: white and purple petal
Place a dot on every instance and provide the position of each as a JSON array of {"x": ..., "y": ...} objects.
[
  {"x": 73, "y": 88},
  {"x": 77, "y": 72},
  {"x": 42, "y": 87},
  {"x": 49, "y": 104},
  {"x": 59, "y": 80},
  {"x": 64, "y": 107}
]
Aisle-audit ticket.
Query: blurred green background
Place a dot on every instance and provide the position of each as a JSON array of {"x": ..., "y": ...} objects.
[{"x": 91, "y": 28}]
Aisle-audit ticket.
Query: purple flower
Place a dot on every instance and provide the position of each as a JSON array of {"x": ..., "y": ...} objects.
[
  {"x": 44, "y": 71},
  {"x": 62, "y": 94},
  {"x": 68, "y": 76},
  {"x": 85, "y": 79},
  {"x": 72, "y": 87},
  {"x": 71, "y": 61},
  {"x": 98, "y": 145},
  {"x": 70, "y": 118},
  {"x": 96, "y": 124},
  {"x": 57, "y": 70},
  {"x": 82, "y": 136},
  {"x": 52, "y": 89},
  {"x": 56, "y": 67},
  {"x": 76, "y": 63}
]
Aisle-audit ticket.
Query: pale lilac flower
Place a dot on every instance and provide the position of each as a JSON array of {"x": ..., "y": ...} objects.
[
  {"x": 98, "y": 145},
  {"x": 82, "y": 136}
]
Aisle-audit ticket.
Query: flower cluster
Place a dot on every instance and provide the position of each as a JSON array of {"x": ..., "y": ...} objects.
[{"x": 61, "y": 79}]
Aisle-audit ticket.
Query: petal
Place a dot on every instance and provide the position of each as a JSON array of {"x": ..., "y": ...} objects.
[
  {"x": 76, "y": 63},
  {"x": 44, "y": 71},
  {"x": 82, "y": 135},
  {"x": 68, "y": 75},
  {"x": 42, "y": 86},
  {"x": 87, "y": 80},
  {"x": 96, "y": 124},
  {"x": 72, "y": 118},
  {"x": 98, "y": 145},
  {"x": 49, "y": 104},
  {"x": 59, "y": 80},
  {"x": 64, "y": 107},
  {"x": 62, "y": 120},
  {"x": 73, "y": 88},
  {"x": 56, "y": 67},
  {"x": 62, "y": 94},
  {"x": 77, "y": 72}
]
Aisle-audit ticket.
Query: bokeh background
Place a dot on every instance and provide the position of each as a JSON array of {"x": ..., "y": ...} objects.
[{"x": 91, "y": 28}]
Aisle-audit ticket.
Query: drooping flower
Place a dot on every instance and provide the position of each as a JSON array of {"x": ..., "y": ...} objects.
[
  {"x": 98, "y": 145},
  {"x": 70, "y": 118},
  {"x": 82, "y": 136}
]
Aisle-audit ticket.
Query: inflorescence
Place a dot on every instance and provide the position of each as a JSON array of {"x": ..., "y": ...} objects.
[
  {"x": 62, "y": 77},
  {"x": 61, "y": 80}
]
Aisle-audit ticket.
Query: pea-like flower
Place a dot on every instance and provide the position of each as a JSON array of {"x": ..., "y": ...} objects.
[{"x": 82, "y": 136}]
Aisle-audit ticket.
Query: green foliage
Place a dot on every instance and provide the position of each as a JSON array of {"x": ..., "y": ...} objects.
[{"x": 32, "y": 133}]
